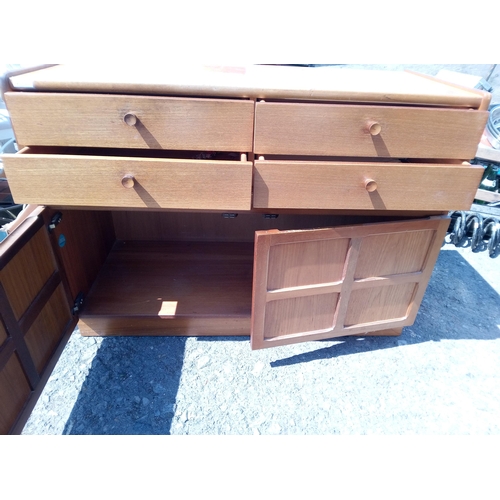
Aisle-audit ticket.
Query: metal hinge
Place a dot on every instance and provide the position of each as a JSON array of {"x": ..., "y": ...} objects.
[
  {"x": 78, "y": 303},
  {"x": 55, "y": 221}
]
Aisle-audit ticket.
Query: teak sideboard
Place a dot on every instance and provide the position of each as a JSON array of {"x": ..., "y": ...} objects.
[{"x": 288, "y": 204}]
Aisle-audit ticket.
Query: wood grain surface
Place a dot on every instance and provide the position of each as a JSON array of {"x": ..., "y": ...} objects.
[
  {"x": 14, "y": 391},
  {"x": 96, "y": 181},
  {"x": 341, "y": 185},
  {"x": 256, "y": 81},
  {"x": 213, "y": 226},
  {"x": 25, "y": 275},
  {"x": 378, "y": 281},
  {"x": 93, "y": 120},
  {"x": 150, "y": 283},
  {"x": 46, "y": 333},
  {"x": 343, "y": 130},
  {"x": 88, "y": 236},
  {"x": 133, "y": 326}
]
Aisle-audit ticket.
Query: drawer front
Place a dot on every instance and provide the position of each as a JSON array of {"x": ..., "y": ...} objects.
[
  {"x": 117, "y": 121},
  {"x": 98, "y": 181},
  {"x": 364, "y": 186},
  {"x": 356, "y": 130}
]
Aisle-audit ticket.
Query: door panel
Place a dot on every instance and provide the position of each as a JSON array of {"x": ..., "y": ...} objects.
[
  {"x": 306, "y": 263},
  {"x": 14, "y": 392},
  {"x": 35, "y": 318},
  {"x": 22, "y": 279},
  {"x": 390, "y": 254},
  {"x": 45, "y": 333},
  {"x": 299, "y": 314},
  {"x": 323, "y": 283},
  {"x": 379, "y": 304}
]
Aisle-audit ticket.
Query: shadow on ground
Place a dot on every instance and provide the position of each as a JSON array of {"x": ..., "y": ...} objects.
[
  {"x": 131, "y": 387},
  {"x": 133, "y": 382},
  {"x": 458, "y": 304}
]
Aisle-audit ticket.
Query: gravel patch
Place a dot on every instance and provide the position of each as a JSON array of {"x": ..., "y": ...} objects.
[{"x": 440, "y": 377}]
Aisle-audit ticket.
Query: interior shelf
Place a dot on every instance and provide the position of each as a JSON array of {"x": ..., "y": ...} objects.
[{"x": 161, "y": 287}]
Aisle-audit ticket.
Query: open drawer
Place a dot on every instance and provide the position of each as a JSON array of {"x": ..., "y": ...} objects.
[
  {"x": 366, "y": 130},
  {"x": 131, "y": 121},
  {"x": 364, "y": 185},
  {"x": 118, "y": 180}
]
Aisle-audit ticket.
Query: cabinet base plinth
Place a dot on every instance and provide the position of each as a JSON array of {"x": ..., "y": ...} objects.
[
  {"x": 183, "y": 327},
  {"x": 164, "y": 327}
]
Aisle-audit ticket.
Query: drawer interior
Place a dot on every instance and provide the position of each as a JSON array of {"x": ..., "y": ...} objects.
[{"x": 130, "y": 153}]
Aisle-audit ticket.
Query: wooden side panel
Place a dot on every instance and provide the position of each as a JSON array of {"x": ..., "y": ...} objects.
[
  {"x": 92, "y": 120},
  {"x": 344, "y": 130},
  {"x": 81, "y": 241},
  {"x": 336, "y": 185},
  {"x": 96, "y": 181},
  {"x": 357, "y": 280},
  {"x": 14, "y": 391}
]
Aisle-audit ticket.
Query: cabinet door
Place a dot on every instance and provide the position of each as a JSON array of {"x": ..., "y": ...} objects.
[
  {"x": 36, "y": 318},
  {"x": 332, "y": 282},
  {"x": 42, "y": 275}
]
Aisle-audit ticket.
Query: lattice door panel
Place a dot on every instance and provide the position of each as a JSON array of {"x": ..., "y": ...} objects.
[{"x": 331, "y": 282}]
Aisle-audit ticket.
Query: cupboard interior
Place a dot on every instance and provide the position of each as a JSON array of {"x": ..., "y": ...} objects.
[{"x": 171, "y": 273}]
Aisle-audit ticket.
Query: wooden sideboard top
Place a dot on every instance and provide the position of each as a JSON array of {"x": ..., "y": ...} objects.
[{"x": 261, "y": 82}]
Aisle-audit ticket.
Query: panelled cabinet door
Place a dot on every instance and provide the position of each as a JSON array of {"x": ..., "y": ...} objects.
[
  {"x": 331, "y": 282},
  {"x": 42, "y": 272},
  {"x": 35, "y": 318}
]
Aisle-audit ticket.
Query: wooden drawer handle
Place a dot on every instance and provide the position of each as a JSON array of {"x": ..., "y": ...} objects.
[
  {"x": 130, "y": 119},
  {"x": 370, "y": 185},
  {"x": 374, "y": 127},
  {"x": 128, "y": 181}
]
